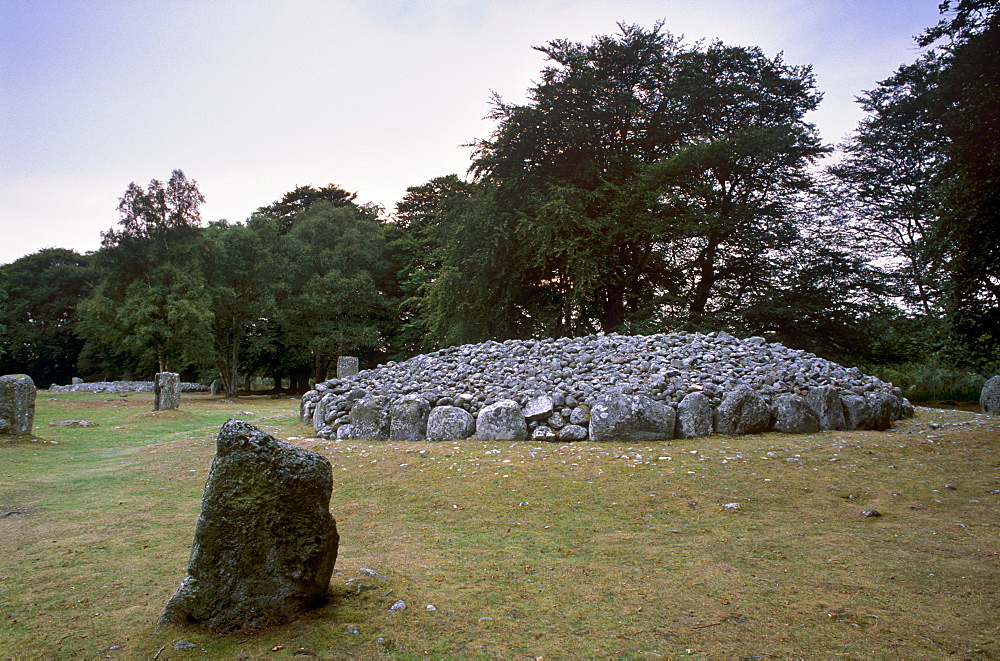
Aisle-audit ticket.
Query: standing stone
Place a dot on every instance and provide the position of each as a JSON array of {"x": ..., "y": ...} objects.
[
  {"x": 265, "y": 542},
  {"x": 501, "y": 421},
  {"x": 742, "y": 411},
  {"x": 166, "y": 391},
  {"x": 694, "y": 416},
  {"x": 319, "y": 413},
  {"x": 408, "y": 418},
  {"x": 346, "y": 366},
  {"x": 793, "y": 416},
  {"x": 214, "y": 388},
  {"x": 826, "y": 404},
  {"x": 17, "y": 404},
  {"x": 76, "y": 381},
  {"x": 370, "y": 418},
  {"x": 631, "y": 419},
  {"x": 448, "y": 423},
  {"x": 989, "y": 397}
]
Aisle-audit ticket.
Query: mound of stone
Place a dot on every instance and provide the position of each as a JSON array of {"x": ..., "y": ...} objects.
[{"x": 604, "y": 387}]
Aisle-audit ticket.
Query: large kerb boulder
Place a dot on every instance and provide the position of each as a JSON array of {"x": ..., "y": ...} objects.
[
  {"x": 742, "y": 411},
  {"x": 408, "y": 418},
  {"x": 17, "y": 404},
  {"x": 501, "y": 421},
  {"x": 265, "y": 542},
  {"x": 447, "y": 423},
  {"x": 631, "y": 418}
]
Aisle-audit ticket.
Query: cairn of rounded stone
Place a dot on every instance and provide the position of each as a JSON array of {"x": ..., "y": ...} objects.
[
  {"x": 712, "y": 383},
  {"x": 265, "y": 542},
  {"x": 166, "y": 391},
  {"x": 989, "y": 396},
  {"x": 17, "y": 404}
]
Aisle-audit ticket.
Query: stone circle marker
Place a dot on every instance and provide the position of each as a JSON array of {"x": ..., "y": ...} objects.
[
  {"x": 265, "y": 542},
  {"x": 989, "y": 397},
  {"x": 17, "y": 404},
  {"x": 166, "y": 391},
  {"x": 346, "y": 366}
]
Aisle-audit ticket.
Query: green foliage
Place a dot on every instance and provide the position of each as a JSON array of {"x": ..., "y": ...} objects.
[
  {"x": 286, "y": 210},
  {"x": 933, "y": 380},
  {"x": 152, "y": 300},
  {"x": 39, "y": 295}
]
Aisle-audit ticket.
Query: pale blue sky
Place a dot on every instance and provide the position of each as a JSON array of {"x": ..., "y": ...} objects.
[{"x": 252, "y": 97}]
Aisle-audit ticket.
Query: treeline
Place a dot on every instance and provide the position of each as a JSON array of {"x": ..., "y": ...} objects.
[{"x": 648, "y": 185}]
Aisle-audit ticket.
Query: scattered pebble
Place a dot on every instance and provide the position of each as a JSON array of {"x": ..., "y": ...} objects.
[
  {"x": 353, "y": 630},
  {"x": 398, "y": 606},
  {"x": 871, "y": 512}
]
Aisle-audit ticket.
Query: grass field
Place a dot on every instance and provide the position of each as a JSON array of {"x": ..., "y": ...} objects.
[{"x": 526, "y": 550}]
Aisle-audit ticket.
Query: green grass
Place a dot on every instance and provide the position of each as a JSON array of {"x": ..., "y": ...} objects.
[{"x": 526, "y": 549}]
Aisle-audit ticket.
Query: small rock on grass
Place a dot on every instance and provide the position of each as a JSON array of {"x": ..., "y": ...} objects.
[
  {"x": 398, "y": 606},
  {"x": 353, "y": 630},
  {"x": 184, "y": 645},
  {"x": 871, "y": 512}
]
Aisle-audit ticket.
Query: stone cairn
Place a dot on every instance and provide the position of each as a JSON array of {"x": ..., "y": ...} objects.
[
  {"x": 265, "y": 542},
  {"x": 602, "y": 388},
  {"x": 17, "y": 404},
  {"x": 121, "y": 387}
]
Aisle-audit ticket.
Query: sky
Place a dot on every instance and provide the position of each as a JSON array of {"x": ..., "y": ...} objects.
[{"x": 251, "y": 98}]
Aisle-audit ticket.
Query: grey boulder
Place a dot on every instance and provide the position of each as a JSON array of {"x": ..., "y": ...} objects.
[
  {"x": 631, "y": 418},
  {"x": 694, "y": 416},
  {"x": 989, "y": 396},
  {"x": 742, "y": 411},
  {"x": 17, "y": 404},
  {"x": 370, "y": 418},
  {"x": 826, "y": 404},
  {"x": 793, "y": 416},
  {"x": 501, "y": 421},
  {"x": 446, "y": 423},
  {"x": 408, "y": 418}
]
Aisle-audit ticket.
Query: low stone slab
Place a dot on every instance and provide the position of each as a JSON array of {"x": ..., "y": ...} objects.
[
  {"x": 17, "y": 404},
  {"x": 265, "y": 542},
  {"x": 631, "y": 419},
  {"x": 73, "y": 423}
]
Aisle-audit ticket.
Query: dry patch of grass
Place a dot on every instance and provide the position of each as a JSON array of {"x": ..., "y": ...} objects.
[{"x": 526, "y": 549}]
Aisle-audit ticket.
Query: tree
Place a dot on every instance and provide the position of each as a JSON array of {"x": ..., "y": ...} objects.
[
  {"x": 241, "y": 278},
  {"x": 286, "y": 210},
  {"x": 644, "y": 176},
  {"x": 969, "y": 189},
  {"x": 151, "y": 299},
  {"x": 43, "y": 291},
  {"x": 885, "y": 184},
  {"x": 329, "y": 304}
]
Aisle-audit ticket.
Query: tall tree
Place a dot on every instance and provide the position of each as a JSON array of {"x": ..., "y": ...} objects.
[
  {"x": 151, "y": 298},
  {"x": 43, "y": 291},
  {"x": 286, "y": 210},
  {"x": 643, "y": 175}
]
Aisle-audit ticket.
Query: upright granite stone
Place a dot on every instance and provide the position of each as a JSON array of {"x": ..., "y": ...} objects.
[
  {"x": 742, "y": 411},
  {"x": 215, "y": 387},
  {"x": 265, "y": 542},
  {"x": 694, "y": 416},
  {"x": 501, "y": 421},
  {"x": 631, "y": 419},
  {"x": 166, "y": 391},
  {"x": 793, "y": 416},
  {"x": 447, "y": 423},
  {"x": 17, "y": 404},
  {"x": 826, "y": 404},
  {"x": 346, "y": 366},
  {"x": 989, "y": 397},
  {"x": 408, "y": 418}
]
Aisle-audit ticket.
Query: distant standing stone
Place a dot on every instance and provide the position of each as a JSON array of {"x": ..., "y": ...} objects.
[
  {"x": 166, "y": 391},
  {"x": 346, "y": 366},
  {"x": 17, "y": 404},
  {"x": 989, "y": 398},
  {"x": 265, "y": 542}
]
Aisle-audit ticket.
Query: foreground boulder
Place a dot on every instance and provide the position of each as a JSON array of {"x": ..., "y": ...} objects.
[
  {"x": 631, "y": 418},
  {"x": 265, "y": 542},
  {"x": 989, "y": 397},
  {"x": 17, "y": 404}
]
